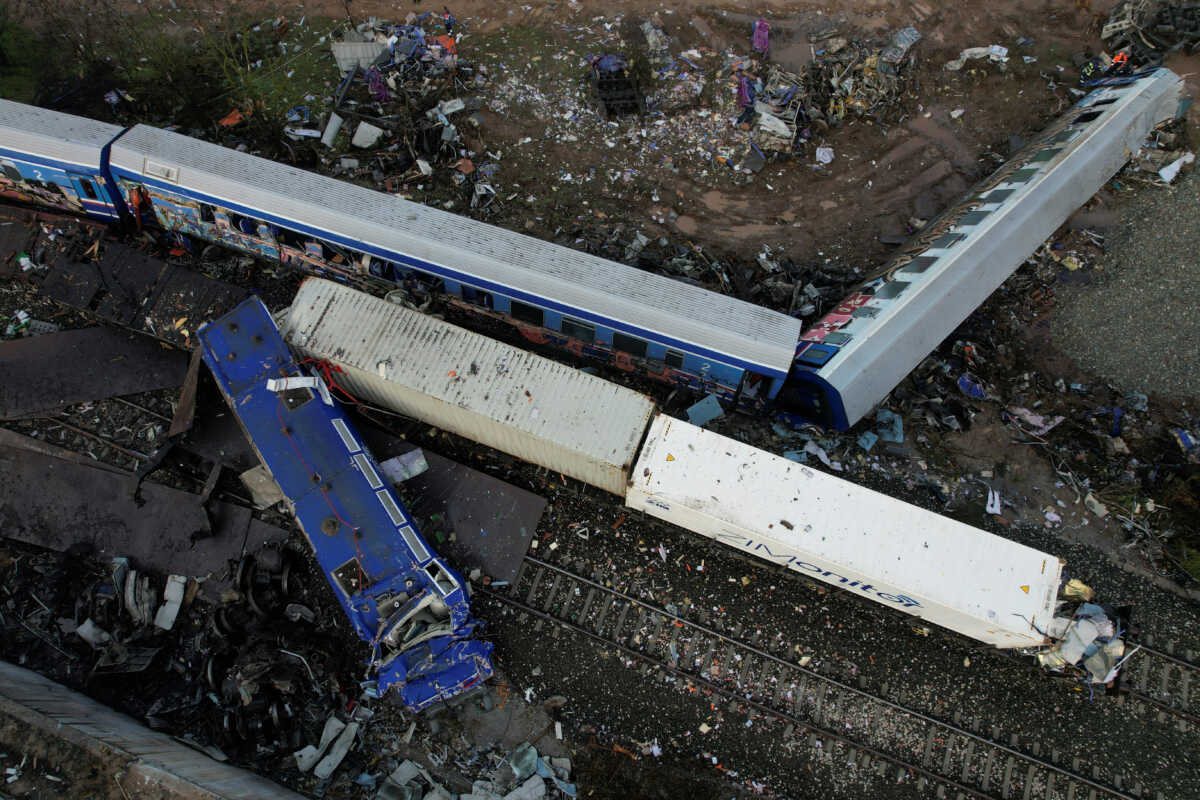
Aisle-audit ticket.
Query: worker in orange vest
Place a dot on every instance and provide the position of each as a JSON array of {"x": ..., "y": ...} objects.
[{"x": 1120, "y": 63}]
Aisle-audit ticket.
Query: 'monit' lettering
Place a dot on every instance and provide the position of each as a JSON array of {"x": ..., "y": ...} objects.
[{"x": 793, "y": 562}]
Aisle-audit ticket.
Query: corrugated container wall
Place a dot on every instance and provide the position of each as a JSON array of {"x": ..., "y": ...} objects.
[
  {"x": 522, "y": 404},
  {"x": 894, "y": 553}
]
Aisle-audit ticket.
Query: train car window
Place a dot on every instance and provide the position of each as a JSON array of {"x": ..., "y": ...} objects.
[
  {"x": 206, "y": 213},
  {"x": 867, "y": 312},
  {"x": 431, "y": 283},
  {"x": 243, "y": 224},
  {"x": 888, "y": 291},
  {"x": 1106, "y": 101},
  {"x": 1087, "y": 117},
  {"x": 291, "y": 239},
  {"x": 629, "y": 344},
  {"x": 917, "y": 266},
  {"x": 949, "y": 240},
  {"x": 579, "y": 330},
  {"x": 973, "y": 217},
  {"x": 998, "y": 195},
  {"x": 527, "y": 313},
  {"x": 837, "y": 339},
  {"x": 674, "y": 359},
  {"x": 1064, "y": 136},
  {"x": 1045, "y": 155},
  {"x": 88, "y": 190},
  {"x": 478, "y": 297},
  {"x": 11, "y": 172},
  {"x": 1021, "y": 176}
]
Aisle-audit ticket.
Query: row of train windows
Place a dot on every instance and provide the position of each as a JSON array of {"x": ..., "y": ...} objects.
[
  {"x": 574, "y": 328},
  {"x": 522, "y": 312},
  {"x": 89, "y": 191},
  {"x": 250, "y": 227}
]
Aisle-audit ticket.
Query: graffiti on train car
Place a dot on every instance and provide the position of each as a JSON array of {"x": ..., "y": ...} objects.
[
  {"x": 699, "y": 379},
  {"x": 1038, "y": 150}
]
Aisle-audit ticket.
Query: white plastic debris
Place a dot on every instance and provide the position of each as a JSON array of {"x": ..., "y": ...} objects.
[
  {"x": 1095, "y": 506},
  {"x": 993, "y": 502},
  {"x": 995, "y": 53},
  {"x": 824, "y": 155},
  {"x": 172, "y": 600},
  {"x": 308, "y": 756},
  {"x": 337, "y": 752},
  {"x": 366, "y": 135},
  {"x": 957, "y": 113},
  {"x": 532, "y": 789},
  {"x": 1171, "y": 171},
  {"x": 93, "y": 634},
  {"x": 404, "y": 466},
  {"x": 286, "y": 384},
  {"x": 331, "y": 129}
]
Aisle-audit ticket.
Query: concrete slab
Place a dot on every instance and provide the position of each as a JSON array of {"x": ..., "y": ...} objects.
[
  {"x": 58, "y": 503},
  {"x": 473, "y": 519},
  {"x": 43, "y": 373}
]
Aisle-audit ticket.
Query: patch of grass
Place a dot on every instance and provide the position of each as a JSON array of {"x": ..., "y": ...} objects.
[
  {"x": 22, "y": 60},
  {"x": 277, "y": 78}
]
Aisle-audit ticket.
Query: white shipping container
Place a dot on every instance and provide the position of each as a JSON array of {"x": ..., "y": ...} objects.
[
  {"x": 530, "y": 407},
  {"x": 895, "y": 553}
]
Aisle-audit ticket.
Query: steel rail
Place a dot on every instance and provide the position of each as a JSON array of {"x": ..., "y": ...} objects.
[{"x": 949, "y": 726}]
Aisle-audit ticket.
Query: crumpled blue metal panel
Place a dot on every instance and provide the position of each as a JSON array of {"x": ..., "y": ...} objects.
[{"x": 362, "y": 536}]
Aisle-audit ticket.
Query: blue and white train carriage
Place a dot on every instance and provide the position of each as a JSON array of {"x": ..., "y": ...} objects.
[
  {"x": 398, "y": 594},
  {"x": 58, "y": 160},
  {"x": 671, "y": 330},
  {"x": 854, "y": 356}
]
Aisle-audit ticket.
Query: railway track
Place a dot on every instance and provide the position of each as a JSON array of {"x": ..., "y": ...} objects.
[
  {"x": 946, "y": 759},
  {"x": 125, "y": 433},
  {"x": 1165, "y": 681}
]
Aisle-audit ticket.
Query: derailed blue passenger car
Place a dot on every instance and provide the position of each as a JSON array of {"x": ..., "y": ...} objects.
[{"x": 400, "y": 597}]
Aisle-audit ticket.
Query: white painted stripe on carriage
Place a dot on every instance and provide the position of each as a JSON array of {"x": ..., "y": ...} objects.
[
  {"x": 364, "y": 464},
  {"x": 389, "y": 505},
  {"x": 344, "y": 432},
  {"x": 414, "y": 543}
]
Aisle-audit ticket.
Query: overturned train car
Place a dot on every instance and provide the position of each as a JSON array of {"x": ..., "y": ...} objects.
[
  {"x": 399, "y": 596},
  {"x": 831, "y": 530}
]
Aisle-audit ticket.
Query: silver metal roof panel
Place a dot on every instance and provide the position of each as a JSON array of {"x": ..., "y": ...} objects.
[
  {"x": 670, "y": 308},
  {"x": 53, "y": 134},
  {"x": 537, "y": 409}
]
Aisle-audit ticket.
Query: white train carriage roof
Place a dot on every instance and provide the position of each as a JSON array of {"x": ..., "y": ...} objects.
[
  {"x": 925, "y": 300},
  {"x": 589, "y": 427},
  {"x": 65, "y": 138},
  {"x": 898, "y": 554},
  {"x": 745, "y": 334}
]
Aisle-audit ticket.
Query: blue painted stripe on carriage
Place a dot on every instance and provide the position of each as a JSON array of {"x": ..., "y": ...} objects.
[
  {"x": 110, "y": 183},
  {"x": 447, "y": 272},
  {"x": 52, "y": 163}
]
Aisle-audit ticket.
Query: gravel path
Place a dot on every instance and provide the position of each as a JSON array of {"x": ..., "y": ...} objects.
[{"x": 1137, "y": 325}]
